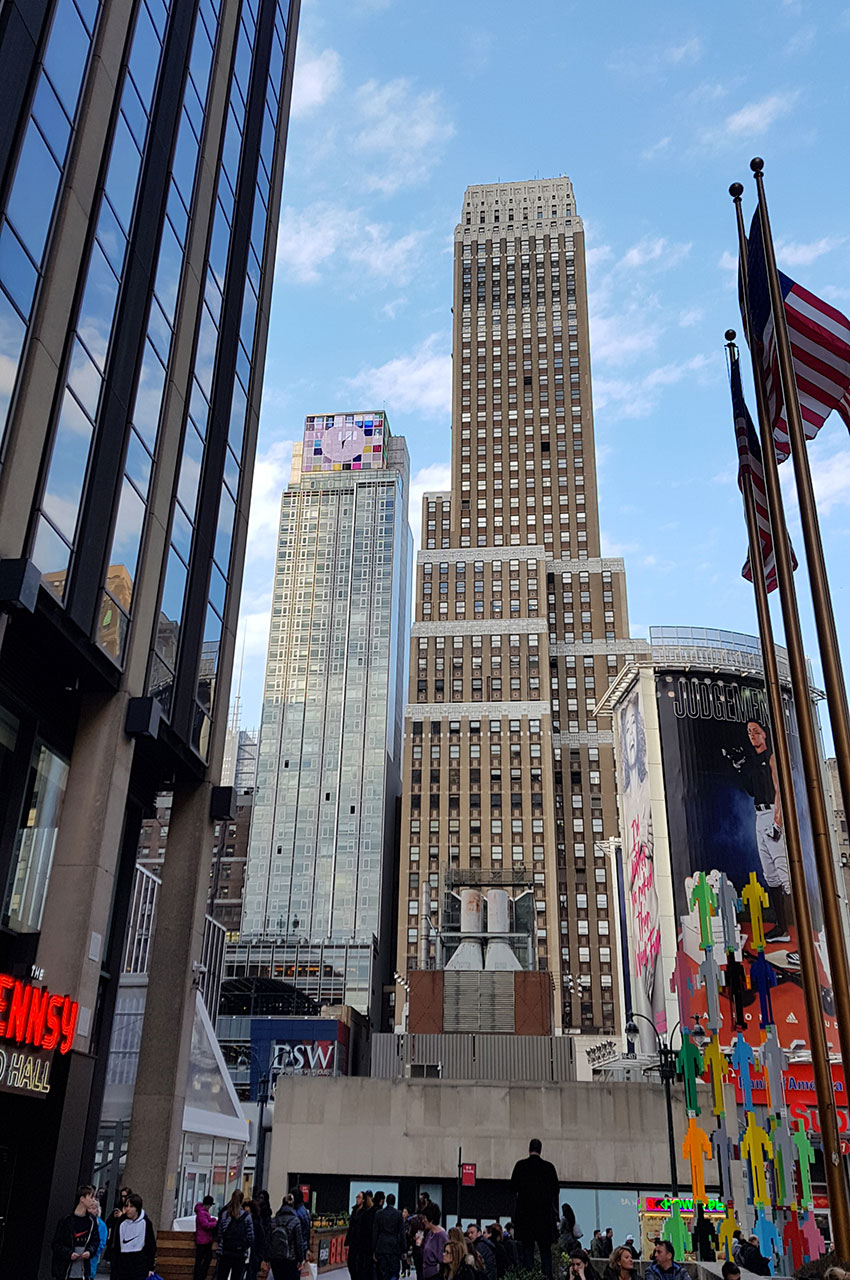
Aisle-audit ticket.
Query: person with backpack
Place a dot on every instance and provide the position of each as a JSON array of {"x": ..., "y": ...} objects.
[
  {"x": 235, "y": 1238},
  {"x": 76, "y": 1240},
  {"x": 284, "y": 1242}
]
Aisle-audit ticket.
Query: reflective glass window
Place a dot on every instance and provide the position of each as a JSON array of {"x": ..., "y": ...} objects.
[
  {"x": 66, "y": 54},
  {"x": 30, "y": 206},
  {"x": 32, "y": 861},
  {"x": 16, "y": 269}
]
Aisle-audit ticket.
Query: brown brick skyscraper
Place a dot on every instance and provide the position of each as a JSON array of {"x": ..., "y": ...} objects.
[{"x": 520, "y": 624}]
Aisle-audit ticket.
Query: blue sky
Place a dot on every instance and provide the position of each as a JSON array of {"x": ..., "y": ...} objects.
[{"x": 652, "y": 110}]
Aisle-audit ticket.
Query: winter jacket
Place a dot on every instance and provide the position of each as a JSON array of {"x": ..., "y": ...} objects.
[
  {"x": 137, "y": 1265},
  {"x": 205, "y": 1224},
  {"x": 104, "y": 1236},
  {"x": 235, "y": 1235},
  {"x": 63, "y": 1244},
  {"x": 284, "y": 1238},
  {"x": 487, "y": 1254},
  {"x": 303, "y": 1215},
  {"x": 534, "y": 1182},
  {"x": 675, "y": 1272},
  {"x": 389, "y": 1238}
]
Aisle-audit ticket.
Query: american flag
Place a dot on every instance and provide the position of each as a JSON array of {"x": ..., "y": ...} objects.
[
  {"x": 820, "y": 348},
  {"x": 750, "y": 465}
]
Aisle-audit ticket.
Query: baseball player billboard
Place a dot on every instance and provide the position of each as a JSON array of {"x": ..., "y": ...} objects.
[{"x": 724, "y": 818}]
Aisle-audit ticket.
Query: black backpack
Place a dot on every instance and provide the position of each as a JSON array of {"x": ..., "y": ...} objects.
[
  {"x": 282, "y": 1239},
  {"x": 235, "y": 1237}
]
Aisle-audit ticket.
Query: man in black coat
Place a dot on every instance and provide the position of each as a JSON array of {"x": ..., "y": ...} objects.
[
  {"x": 534, "y": 1182},
  {"x": 76, "y": 1239},
  {"x": 389, "y": 1240}
]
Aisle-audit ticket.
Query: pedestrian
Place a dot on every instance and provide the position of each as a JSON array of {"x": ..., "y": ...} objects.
[
  {"x": 737, "y": 1245},
  {"x": 570, "y": 1232},
  {"x": 134, "y": 1254},
  {"x": 481, "y": 1246},
  {"x": 456, "y": 1263},
  {"x": 389, "y": 1241},
  {"x": 303, "y": 1217},
  {"x": 366, "y": 1262},
  {"x": 664, "y": 1265},
  {"x": 596, "y": 1245},
  {"x": 494, "y": 1235},
  {"x": 509, "y": 1241},
  {"x": 205, "y": 1229},
  {"x": 235, "y": 1236},
  {"x": 352, "y": 1235},
  {"x": 621, "y": 1264},
  {"x": 116, "y": 1216},
  {"x": 257, "y": 1254},
  {"x": 630, "y": 1245},
  {"x": 284, "y": 1249},
  {"x": 731, "y": 1271},
  {"x": 534, "y": 1182},
  {"x": 581, "y": 1267},
  {"x": 705, "y": 1236},
  {"x": 434, "y": 1243},
  {"x": 103, "y": 1235},
  {"x": 76, "y": 1240},
  {"x": 607, "y": 1242},
  {"x": 752, "y": 1259},
  {"x": 416, "y": 1229}
]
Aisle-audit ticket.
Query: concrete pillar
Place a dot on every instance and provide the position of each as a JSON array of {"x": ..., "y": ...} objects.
[
  {"x": 85, "y": 858},
  {"x": 153, "y": 1156}
]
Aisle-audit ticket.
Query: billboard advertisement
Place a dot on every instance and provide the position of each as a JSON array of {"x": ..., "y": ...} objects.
[
  {"x": 724, "y": 815},
  {"x": 640, "y": 899}
]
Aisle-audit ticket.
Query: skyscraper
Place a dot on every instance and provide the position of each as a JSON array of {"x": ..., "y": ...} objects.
[
  {"x": 321, "y": 858},
  {"x": 520, "y": 622},
  {"x": 141, "y": 159}
]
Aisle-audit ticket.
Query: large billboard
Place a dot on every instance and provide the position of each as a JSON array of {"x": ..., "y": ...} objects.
[{"x": 724, "y": 816}]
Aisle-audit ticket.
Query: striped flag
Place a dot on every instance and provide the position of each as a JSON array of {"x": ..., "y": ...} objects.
[
  {"x": 750, "y": 468},
  {"x": 820, "y": 348}
]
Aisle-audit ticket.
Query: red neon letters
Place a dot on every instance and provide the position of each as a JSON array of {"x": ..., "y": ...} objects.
[{"x": 31, "y": 1015}]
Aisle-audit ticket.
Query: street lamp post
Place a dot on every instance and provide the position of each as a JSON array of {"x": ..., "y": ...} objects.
[
  {"x": 666, "y": 1068},
  {"x": 260, "y": 1154}
]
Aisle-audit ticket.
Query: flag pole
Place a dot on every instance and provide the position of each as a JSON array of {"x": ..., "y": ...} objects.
[
  {"x": 836, "y": 692},
  {"x": 836, "y": 695},
  {"x": 825, "y": 1094},
  {"x": 802, "y": 703}
]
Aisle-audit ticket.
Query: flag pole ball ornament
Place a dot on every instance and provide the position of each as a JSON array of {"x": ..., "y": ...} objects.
[{"x": 31, "y": 1015}]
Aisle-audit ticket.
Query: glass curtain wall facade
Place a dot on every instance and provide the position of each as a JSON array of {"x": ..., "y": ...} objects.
[
  {"x": 321, "y": 855},
  {"x": 520, "y": 623},
  {"x": 141, "y": 162}
]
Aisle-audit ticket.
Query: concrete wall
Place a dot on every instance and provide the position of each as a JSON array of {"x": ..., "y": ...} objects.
[{"x": 594, "y": 1133}]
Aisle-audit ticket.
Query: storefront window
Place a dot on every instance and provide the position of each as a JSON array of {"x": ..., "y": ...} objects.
[{"x": 33, "y": 856}]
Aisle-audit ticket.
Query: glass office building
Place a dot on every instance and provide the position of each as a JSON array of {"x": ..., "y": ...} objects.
[
  {"x": 320, "y": 861},
  {"x": 141, "y": 161}
]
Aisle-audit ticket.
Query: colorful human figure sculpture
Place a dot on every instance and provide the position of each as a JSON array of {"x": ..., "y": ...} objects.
[
  {"x": 689, "y": 1066},
  {"x": 736, "y": 985},
  {"x": 755, "y": 899},
  {"x": 806, "y": 1156},
  {"x": 756, "y": 1147},
  {"x": 681, "y": 983},
  {"x": 677, "y": 1232},
  {"x": 815, "y": 1243},
  {"x": 726, "y": 1233},
  {"x": 721, "y": 1145},
  {"x": 704, "y": 899},
  {"x": 717, "y": 1063},
  {"x": 794, "y": 1241},
  {"x": 711, "y": 977},
  {"x": 768, "y": 1238},
  {"x": 696, "y": 1148},
  {"x": 764, "y": 979},
  {"x": 743, "y": 1062},
  {"x": 784, "y": 1160},
  {"x": 728, "y": 905},
  {"x": 773, "y": 1060}
]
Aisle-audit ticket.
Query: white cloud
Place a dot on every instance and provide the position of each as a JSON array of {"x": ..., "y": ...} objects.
[
  {"x": 728, "y": 261},
  {"x": 791, "y": 254},
  {"x": 327, "y": 235},
  {"x": 417, "y": 383},
  {"x": 638, "y": 397},
  {"x": 435, "y": 478},
  {"x": 317, "y": 77},
  {"x": 830, "y": 475},
  {"x": 800, "y": 43},
  {"x": 657, "y": 148},
  {"x": 684, "y": 53},
  {"x": 689, "y": 317},
  {"x": 753, "y": 119},
  {"x": 654, "y": 249},
  {"x": 618, "y": 337},
  {"x": 400, "y": 133},
  {"x": 656, "y": 60},
  {"x": 271, "y": 476}
]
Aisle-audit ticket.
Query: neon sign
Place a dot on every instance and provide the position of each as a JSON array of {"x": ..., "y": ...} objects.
[
  {"x": 31, "y": 1015},
  {"x": 663, "y": 1204}
]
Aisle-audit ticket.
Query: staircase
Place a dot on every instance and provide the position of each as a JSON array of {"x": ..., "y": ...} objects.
[{"x": 175, "y": 1255}]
